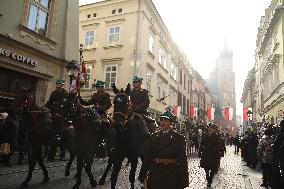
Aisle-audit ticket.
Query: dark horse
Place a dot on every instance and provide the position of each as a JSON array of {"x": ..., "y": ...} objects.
[
  {"x": 38, "y": 130},
  {"x": 85, "y": 122},
  {"x": 131, "y": 135}
]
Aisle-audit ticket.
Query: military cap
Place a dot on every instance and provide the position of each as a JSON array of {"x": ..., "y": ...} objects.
[
  {"x": 60, "y": 81},
  {"x": 100, "y": 83},
  {"x": 137, "y": 79},
  {"x": 168, "y": 115}
]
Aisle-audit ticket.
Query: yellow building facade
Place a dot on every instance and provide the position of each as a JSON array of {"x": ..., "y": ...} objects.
[
  {"x": 269, "y": 66},
  {"x": 124, "y": 38}
]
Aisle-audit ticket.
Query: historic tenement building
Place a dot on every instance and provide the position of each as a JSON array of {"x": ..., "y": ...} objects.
[{"x": 35, "y": 45}]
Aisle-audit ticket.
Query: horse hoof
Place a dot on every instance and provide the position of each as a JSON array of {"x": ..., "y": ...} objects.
[
  {"x": 76, "y": 186},
  {"x": 24, "y": 185},
  {"x": 93, "y": 183},
  {"x": 67, "y": 173},
  {"x": 102, "y": 182},
  {"x": 45, "y": 180}
]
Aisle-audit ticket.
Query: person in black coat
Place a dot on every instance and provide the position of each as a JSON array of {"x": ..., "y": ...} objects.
[
  {"x": 209, "y": 152},
  {"x": 236, "y": 143},
  {"x": 9, "y": 135},
  {"x": 252, "y": 144},
  {"x": 276, "y": 175}
]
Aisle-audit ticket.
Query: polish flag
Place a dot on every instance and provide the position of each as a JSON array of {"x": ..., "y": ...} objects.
[
  {"x": 247, "y": 116},
  {"x": 193, "y": 112},
  {"x": 177, "y": 110},
  {"x": 228, "y": 114},
  {"x": 210, "y": 113}
]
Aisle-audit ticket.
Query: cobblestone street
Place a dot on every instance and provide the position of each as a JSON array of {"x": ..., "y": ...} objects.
[{"x": 230, "y": 175}]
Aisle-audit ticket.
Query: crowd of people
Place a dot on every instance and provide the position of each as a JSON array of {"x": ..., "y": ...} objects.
[
  {"x": 167, "y": 146},
  {"x": 264, "y": 150}
]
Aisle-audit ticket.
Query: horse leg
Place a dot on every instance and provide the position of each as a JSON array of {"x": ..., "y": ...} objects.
[
  {"x": 117, "y": 163},
  {"x": 42, "y": 166},
  {"x": 79, "y": 172},
  {"x": 88, "y": 170},
  {"x": 134, "y": 162},
  {"x": 109, "y": 165},
  {"x": 70, "y": 161},
  {"x": 32, "y": 163}
]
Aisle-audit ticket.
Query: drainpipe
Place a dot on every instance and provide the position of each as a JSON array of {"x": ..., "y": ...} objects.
[{"x": 137, "y": 36}]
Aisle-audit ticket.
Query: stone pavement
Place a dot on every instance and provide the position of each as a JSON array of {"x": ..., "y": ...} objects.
[{"x": 232, "y": 175}]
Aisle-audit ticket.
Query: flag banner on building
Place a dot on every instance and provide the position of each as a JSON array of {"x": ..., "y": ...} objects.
[
  {"x": 177, "y": 110},
  {"x": 83, "y": 74},
  {"x": 247, "y": 114},
  {"x": 228, "y": 113},
  {"x": 210, "y": 113},
  {"x": 193, "y": 112}
]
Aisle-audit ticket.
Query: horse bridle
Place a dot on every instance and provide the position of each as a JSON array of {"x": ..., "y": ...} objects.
[{"x": 125, "y": 115}]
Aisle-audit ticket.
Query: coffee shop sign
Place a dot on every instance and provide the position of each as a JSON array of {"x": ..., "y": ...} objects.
[{"x": 18, "y": 57}]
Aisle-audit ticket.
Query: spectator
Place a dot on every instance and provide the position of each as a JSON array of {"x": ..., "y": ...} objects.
[
  {"x": 236, "y": 143},
  {"x": 265, "y": 153}
]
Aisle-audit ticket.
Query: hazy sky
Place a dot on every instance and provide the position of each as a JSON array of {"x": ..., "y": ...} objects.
[{"x": 199, "y": 27}]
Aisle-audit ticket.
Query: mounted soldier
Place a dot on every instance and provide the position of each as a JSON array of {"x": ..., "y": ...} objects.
[
  {"x": 140, "y": 102},
  {"x": 53, "y": 104},
  {"x": 100, "y": 100}
]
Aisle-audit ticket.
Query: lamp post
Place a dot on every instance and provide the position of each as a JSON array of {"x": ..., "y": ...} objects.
[{"x": 72, "y": 69}]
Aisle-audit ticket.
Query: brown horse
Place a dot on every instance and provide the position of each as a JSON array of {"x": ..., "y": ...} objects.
[
  {"x": 86, "y": 123},
  {"x": 37, "y": 126}
]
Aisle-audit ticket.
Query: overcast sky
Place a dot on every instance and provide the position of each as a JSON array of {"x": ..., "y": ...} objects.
[{"x": 199, "y": 27}]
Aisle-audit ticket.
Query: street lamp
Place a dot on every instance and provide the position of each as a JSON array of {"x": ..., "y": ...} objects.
[{"x": 72, "y": 69}]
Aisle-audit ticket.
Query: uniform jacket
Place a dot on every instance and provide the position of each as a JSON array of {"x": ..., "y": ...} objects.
[
  {"x": 170, "y": 145},
  {"x": 55, "y": 98},
  {"x": 140, "y": 100},
  {"x": 100, "y": 100},
  {"x": 210, "y": 151}
]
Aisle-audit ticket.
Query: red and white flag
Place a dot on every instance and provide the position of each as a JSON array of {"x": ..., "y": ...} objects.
[
  {"x": 247, "y": 114},
  {"x": 177, "y": 110},
  {"x": 83, "y": 74},
  {"x": 228, "y": 113},
  {"x": 210, "y": 113},
  {"x": 193, "y": 112}
]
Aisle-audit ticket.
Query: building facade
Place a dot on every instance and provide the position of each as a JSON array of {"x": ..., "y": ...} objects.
[
  {"x": 124, "y": 38},
  {"x": 269, "y": 67},
  {"x": 35, "y": 45},
  {"x": 222, "y": 85}
]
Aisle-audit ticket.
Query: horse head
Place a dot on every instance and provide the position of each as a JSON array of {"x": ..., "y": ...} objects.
[
  {"x": 69, "y": 107},
  {"x": 24, "y": 101},
  {"x": 122, "y": 103}
]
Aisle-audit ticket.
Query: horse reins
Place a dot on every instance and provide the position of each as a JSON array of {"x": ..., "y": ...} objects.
[{"x": 125, "y": 115}]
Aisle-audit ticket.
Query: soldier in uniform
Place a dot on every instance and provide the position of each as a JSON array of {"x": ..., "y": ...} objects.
[
  {"x": 209, "y": 152},
  {"x": 53, "y": 104},
  {"x": 165, "y": 160},
  {"x": 101, "y": 101},
  {"x": 140, "y": 103}
]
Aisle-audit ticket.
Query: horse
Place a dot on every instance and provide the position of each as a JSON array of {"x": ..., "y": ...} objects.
[
  {"x": 86, "y": 123},
  {"x": 131, "y": 135},
  {"x": 37, "y": 126}
]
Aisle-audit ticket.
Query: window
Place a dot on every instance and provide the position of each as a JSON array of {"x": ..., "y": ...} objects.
[
  {"x": 38, "y": 16},
  {"x": 113, "y": 11},
  {"x": 120, "y": 10},
  {"x": 165, "y": 60},
  {"x": 89, "y": 16},
  {"x": 151, "y": 44},
  {"x": 161, "y": 56},
  {"x": 94, "y": 15},
  {"x": 110, "y": 75},
  {"x": 89, "y": 38},
  {"x": 114, "y": 35}
]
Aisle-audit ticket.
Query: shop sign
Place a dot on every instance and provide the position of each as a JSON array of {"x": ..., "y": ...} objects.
[{"x": 18, "y": 57}]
